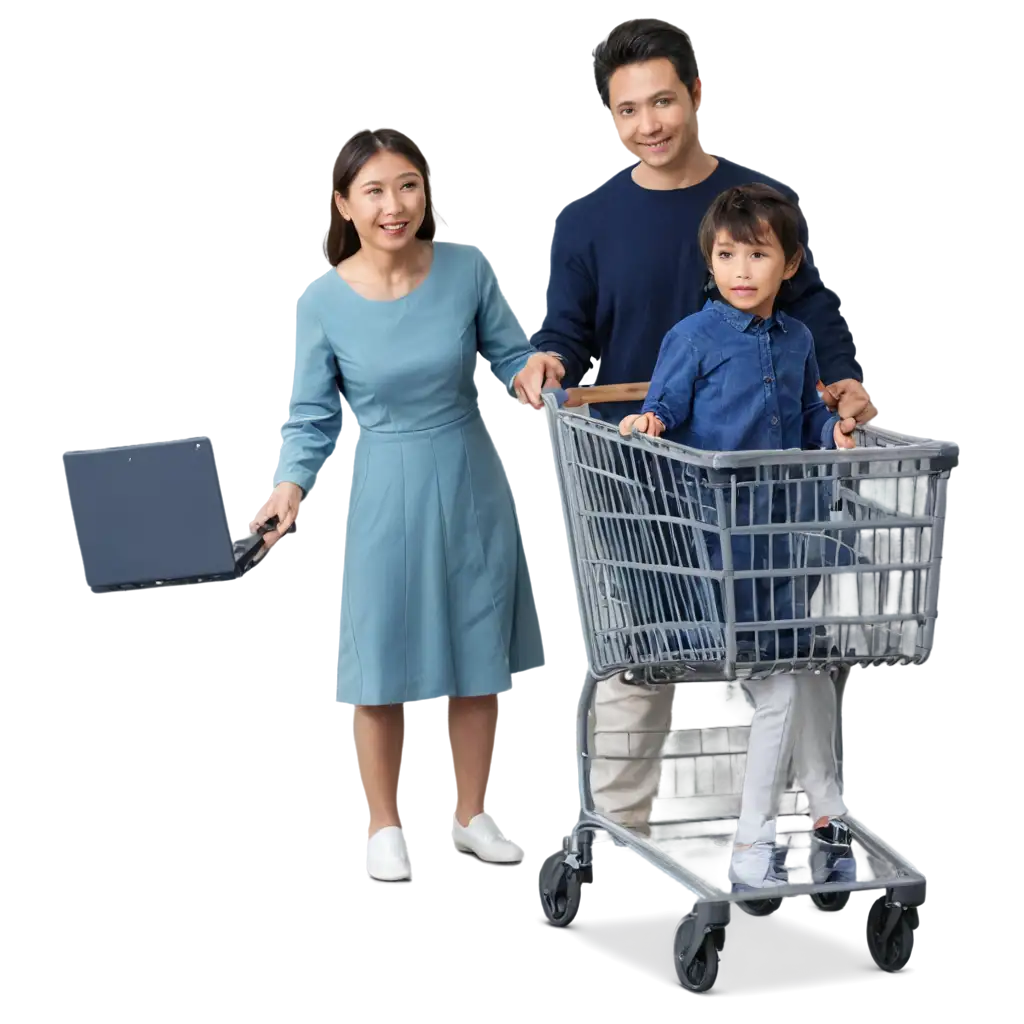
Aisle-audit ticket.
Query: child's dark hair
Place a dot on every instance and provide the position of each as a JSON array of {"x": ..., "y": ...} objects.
[
  {"x": 634, "y": 42},
  {"x": 744, "y": 212}
]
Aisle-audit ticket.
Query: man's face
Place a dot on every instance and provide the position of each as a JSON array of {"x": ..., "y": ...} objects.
[{"x": 655, "y": 115}]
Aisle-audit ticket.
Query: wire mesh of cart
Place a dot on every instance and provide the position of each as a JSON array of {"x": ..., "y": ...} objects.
[{"x": 698, "y": 567}]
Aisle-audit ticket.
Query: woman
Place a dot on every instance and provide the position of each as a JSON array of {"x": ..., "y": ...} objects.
[{"x": 436, "y": 597}]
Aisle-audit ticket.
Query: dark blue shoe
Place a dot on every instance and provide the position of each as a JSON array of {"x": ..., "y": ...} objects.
[{"x": 832, "y": 857}]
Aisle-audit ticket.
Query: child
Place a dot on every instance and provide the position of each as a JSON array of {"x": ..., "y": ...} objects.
[{"x": 737, "y": 376}]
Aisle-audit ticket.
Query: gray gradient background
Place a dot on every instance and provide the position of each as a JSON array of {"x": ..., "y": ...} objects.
[{"x": 177, "y": 837}]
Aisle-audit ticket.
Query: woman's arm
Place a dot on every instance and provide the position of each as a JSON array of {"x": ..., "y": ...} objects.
[
  {"x": 500, "y": 339},
  {"x": 314, "y": 419}
]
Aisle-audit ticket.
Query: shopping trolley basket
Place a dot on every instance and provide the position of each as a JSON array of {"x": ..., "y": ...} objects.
[{"x": 709, "y": 567}]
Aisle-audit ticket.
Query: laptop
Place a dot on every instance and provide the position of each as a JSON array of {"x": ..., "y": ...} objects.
[{"x": 151, "y": 515}]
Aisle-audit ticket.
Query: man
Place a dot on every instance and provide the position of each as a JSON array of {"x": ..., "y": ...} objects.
[{"x": 626, "y": 267}]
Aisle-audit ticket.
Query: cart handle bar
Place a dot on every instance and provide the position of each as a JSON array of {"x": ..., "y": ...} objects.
[
  {"x": 573, "y": 398},
  {"x": 943, "y": 456}
]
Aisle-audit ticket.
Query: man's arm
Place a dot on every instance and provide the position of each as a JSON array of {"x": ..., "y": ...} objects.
[
  {"x": 568, "y": 328},
  {"x": 810, "y": 302},
  {"x": 807, "y": 299}
]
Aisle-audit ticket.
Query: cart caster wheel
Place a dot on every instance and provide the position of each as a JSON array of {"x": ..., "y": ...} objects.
[
  {"x": 892, "y": 952},
  {"x": 830, "y": 901},
  {"x": 560, "y": 887},
  {"x": 760, "y": 907},
  {"x": 702, "y": 971}
]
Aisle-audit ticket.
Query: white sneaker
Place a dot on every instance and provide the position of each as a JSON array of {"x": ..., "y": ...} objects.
[
  {"x": 482, "y": 837},
  {"x": 761, "y": 865},
  {"x": 387, "y": 858}
]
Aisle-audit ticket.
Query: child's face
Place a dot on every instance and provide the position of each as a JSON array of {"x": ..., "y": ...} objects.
[{"x": 749, "y": 276}]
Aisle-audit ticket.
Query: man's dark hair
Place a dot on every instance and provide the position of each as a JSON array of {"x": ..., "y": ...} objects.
[
  {"x": 634, "y": 42},
  {"x": 744, "y": 212}
]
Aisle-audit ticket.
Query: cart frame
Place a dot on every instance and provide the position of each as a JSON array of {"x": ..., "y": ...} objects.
[{"x": 700, "y": 935}]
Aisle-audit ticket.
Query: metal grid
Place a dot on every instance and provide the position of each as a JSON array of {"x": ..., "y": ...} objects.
[{"x": 741, "y": 564}]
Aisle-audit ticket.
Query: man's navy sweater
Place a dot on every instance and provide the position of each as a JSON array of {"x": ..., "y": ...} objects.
[{"x": 626, "y": 267}]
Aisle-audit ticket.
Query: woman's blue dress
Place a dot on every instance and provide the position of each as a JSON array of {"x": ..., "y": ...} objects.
[{"x": 436, "y": 596}]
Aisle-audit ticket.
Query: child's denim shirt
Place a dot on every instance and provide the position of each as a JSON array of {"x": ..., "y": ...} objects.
[{"x": 729, "y": 381}]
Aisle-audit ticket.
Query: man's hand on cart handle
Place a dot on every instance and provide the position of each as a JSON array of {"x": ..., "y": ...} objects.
[
  {"x": 849, "y": 399},
  {"x": 646, "y": 423}
]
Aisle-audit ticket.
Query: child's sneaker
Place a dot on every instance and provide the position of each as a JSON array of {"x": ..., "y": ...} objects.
[
  {"x": 832, "y": 857},
  {"x": 760, "y": 865}
]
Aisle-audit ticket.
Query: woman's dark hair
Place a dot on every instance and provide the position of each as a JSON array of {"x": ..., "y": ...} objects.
[
  {"x": 634, "y": 42},
  {"x": 342, "y": 238},
  {"x": 744, "y": 212}
]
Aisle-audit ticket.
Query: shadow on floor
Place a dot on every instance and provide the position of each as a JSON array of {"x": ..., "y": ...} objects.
[{"x": 964, "y": 952}]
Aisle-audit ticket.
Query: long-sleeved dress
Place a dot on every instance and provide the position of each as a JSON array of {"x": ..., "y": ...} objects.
[{"x": 436, "y": 595}]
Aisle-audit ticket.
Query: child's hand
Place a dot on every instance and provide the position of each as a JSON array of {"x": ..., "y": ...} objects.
[
  {"x": 645, "y": 423},
  {"x": 843, "y": 433}
]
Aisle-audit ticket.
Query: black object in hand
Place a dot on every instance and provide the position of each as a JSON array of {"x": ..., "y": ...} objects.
[
  {"x": 250, "y": 551},
  {"x": 271, "y": 524}
]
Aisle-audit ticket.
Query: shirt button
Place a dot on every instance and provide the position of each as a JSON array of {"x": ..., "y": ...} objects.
[
  {"x": 768, "y": 380},
  {"x": 775, "y": 421}
]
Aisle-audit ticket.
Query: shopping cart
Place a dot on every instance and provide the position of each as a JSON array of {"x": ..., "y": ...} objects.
[{"x": 838, "y": 552}]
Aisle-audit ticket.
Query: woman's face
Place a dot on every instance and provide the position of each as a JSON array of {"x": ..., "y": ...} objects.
[{"x": 386, "y": 202}]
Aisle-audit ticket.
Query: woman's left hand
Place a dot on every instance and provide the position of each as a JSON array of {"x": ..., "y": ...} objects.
[{"x": 542, "y": 370}]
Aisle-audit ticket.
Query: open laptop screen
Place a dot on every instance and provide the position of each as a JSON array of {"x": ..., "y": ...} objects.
[{"x": 149, "y": 513}]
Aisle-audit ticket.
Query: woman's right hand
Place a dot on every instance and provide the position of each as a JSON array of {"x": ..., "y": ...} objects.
[{"x": 283, "y": 503}]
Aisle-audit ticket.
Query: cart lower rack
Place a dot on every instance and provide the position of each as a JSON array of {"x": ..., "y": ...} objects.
[{"x": 707, "y": 568}]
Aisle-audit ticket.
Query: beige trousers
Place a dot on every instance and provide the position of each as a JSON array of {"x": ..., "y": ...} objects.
[{"x": 793, "y": 728}]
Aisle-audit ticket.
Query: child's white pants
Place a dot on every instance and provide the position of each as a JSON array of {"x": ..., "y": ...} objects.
[{"x": 795, "y": 719}]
